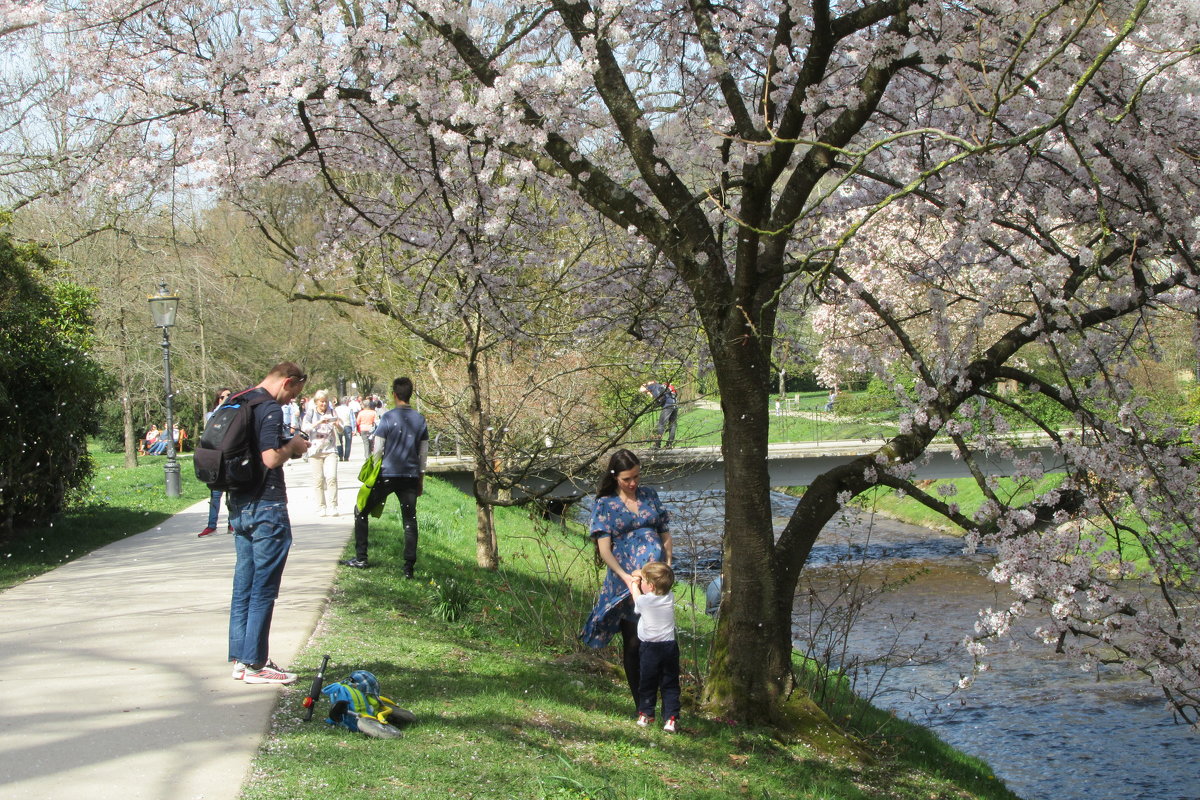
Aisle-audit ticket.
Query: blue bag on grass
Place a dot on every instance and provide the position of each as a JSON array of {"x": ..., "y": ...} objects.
[{"x": 356, "y": 704}]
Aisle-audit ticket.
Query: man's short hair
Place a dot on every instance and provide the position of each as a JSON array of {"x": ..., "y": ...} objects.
[
  {"x": 288, "y": 369},
  {"x": 403, "y": 389},
  {"x": 661, "y": 577}
]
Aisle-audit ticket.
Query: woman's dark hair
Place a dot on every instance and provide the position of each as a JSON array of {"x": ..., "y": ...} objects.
[
  {"x": 621, "y": 461},
  {"x": 221, "y": 391}
]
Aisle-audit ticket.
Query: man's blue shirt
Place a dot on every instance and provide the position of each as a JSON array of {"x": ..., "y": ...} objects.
[{"x": 402, "y": 429}]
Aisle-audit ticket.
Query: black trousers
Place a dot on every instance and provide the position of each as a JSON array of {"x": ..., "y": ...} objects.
[
  {"x": 631, "y": 658},
  {"x": 405, "y": 490}
]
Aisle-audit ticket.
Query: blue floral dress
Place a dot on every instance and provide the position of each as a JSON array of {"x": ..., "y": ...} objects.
[{"x": 636, "y": 541}]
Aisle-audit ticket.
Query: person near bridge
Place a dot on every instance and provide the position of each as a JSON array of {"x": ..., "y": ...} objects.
[{"x": 664, "y": 395}]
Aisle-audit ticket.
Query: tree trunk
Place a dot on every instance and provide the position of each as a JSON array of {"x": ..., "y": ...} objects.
[
  {"x": 127, "y": 422},
  {"x": 486, "y": 551},
  {"x": 131, "y": 443},
  {"x": 755, "y": 622}
]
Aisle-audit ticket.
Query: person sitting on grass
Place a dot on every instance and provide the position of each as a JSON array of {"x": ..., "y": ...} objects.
[{"x": 650, "y": 587}]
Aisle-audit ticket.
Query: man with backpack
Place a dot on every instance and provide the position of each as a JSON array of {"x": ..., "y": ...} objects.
[{"x": 258, "y": 513}]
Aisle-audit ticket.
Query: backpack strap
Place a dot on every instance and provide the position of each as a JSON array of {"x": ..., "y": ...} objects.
[{"x": 232, "y": 398}]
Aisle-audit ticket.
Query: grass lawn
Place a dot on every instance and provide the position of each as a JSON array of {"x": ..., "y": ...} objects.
[
  {"x": 120, "y": 502},
  {"x": 800, "y": 420},
  {"x": 509, "y": 706},
  {"x": 967, "y": 494}
]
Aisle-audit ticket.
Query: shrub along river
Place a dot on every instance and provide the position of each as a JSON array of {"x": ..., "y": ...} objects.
[{"x": 1049, "y": 730}]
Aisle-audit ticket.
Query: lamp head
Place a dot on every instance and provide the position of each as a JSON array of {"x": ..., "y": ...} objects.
[{"x": 163, "y": 307}]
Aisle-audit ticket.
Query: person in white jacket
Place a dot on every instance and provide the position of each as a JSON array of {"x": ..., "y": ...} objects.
[{"x": 321, "y": 424}]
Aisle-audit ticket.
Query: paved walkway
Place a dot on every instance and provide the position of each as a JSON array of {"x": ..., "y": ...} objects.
[{"x": 113, "y": 680}]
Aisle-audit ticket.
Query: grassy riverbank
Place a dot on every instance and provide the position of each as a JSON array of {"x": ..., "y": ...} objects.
[
  {"x": 969, "y": 497},
  {"x": 120, "y": 502},
  {"x": 966, "y": 493},
  {"x": 700, "y": 427},
  {"x": 510, "y": 707}
]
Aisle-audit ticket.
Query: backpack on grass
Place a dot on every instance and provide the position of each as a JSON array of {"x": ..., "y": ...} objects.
[{"x": 227, "y": 457}]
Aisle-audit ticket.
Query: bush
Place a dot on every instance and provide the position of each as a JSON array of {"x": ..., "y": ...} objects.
[
  {"x": 50, "y": 388},
  {"x": 1037, "y": 406},
  {"x": 878, "y": 398}
]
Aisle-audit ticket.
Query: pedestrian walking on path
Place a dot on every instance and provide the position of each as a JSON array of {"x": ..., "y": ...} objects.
[
  {"x": 664, "y": 395},
  {"x": 214, "y": 495},
  {"x": 403, "y": 439}
]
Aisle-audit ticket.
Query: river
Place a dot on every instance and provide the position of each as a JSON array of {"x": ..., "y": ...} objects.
[{"x": 1049, "y": 730}]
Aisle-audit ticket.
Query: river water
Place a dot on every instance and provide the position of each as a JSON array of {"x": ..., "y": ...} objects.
[{"x": 1049, "y": 730}]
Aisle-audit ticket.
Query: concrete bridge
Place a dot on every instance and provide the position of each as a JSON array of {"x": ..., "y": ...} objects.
[{"x": 791, "y": 464}]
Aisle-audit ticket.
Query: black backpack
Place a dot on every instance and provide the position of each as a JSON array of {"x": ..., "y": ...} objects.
[{"x": 227, "y": 457}]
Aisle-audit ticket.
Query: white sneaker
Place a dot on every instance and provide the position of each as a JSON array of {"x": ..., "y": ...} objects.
[
  {"x": 333, "y": 513},
  {"x": 268, "y": 673},
  {"x": 321, "y": 512},
  {"x": 239, "y": 670}
]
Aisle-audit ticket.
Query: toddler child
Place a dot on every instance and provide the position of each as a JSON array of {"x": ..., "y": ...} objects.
[{"x": 655, "y": 603}]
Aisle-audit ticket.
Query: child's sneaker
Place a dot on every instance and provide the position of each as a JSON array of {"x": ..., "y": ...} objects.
[
  {"x": 670, "y": 726},
  {"x": 268, "y": 673},
  {"x": 239, "y": 670},
  {"x": 644, "y": 720}
]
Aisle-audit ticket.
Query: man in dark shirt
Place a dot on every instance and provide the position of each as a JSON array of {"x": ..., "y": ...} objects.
[
  {"x": 403, "y": 439},
  {"x": 668, "y": 415},
  {"x": 263, "y": 532}
]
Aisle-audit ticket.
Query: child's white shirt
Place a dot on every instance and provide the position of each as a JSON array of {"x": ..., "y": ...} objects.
[{"x": 657, "y": 620}]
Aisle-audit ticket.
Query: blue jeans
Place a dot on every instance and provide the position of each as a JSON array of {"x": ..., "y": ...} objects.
[
  {"x": 345, "y": 439},
  {"x": 214, "y": 507},
  {"x": 262, "y": 538},
  {"x": 668, "y": 418}
]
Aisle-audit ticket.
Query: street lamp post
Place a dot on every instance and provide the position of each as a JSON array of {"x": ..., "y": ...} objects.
[{"x": 162, "y": 309}]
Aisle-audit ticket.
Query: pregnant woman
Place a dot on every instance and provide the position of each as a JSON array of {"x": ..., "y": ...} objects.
[{"x": 629, "y": 525}]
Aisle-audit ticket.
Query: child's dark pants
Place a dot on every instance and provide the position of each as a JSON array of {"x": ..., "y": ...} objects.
[{"x": 659, "y": 672}]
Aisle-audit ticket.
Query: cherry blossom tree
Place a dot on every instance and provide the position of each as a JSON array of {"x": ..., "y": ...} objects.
[{"x": 946, "y": 187}]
